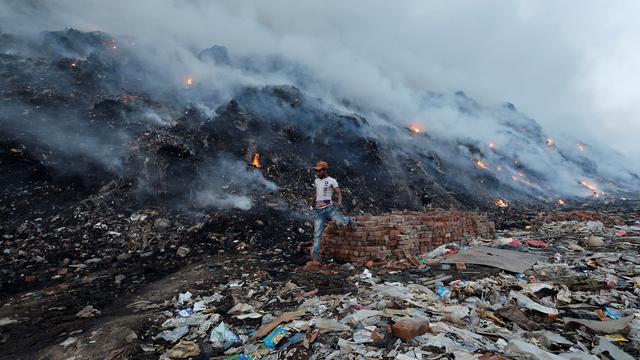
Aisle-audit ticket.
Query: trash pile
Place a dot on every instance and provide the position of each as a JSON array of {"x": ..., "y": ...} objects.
[{"x": 516, "y": 296}]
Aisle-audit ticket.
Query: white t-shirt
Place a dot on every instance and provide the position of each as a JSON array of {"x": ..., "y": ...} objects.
[{"x": 324, "y": 190}]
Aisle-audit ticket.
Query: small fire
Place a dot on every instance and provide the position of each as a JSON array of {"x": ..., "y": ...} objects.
[
  {"x": 415, "y": 129},
  {"x": 492, "y": 146},
  {"x": 502, "y": 203},
  {"x": 189, "y": 81},
  {"x": 550, "y": 142},
  {"x": 256, "y": 160},
  {"x": 481, "y": 165},
  {"x": 499, "y": 168},
  {"x": 73, "y": 65},
  {"x": 591, "y": 186},
  {"x": 561, "y": 202},
  {"x": 580, "y": 147}
]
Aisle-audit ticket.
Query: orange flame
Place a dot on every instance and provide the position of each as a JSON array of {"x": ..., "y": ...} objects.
[
  {"x": 415, "y": 129},
  {"x": 256, "y": 160},
  {"x": 591, "y": 186},
  {"x": 550, "y": 142},
  {"x": 189, "y": 81},
  {"x": 561, "y": 202},
  {"x": 481, "y": 164},
  {"x": 502, "y": 203}
]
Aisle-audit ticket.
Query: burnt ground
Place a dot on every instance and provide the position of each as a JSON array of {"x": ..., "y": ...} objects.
[
  {"x": 116, "y": 187},
  {"x": 46, "y": 313}
]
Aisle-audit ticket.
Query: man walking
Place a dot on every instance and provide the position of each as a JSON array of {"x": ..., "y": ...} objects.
[{"x": 324, "y": 207}]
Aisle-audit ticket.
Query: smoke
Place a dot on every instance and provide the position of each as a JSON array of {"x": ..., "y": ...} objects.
[
  {"x": 228, "y": 183},
  {"x": 400, "y": 64},
  {"x": 572, "y": 65}
]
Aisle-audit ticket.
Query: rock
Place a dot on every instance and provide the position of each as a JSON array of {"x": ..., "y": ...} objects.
[
  {"x": 409, "y": 328},
  {"x": 68, "y": 341},
  {"x": 7, "y": 321},
  {"x": 162, "y": 223},
  {"x": 184, "y": 349},
  {"x": 183, "y": 251},
  {"x": 595, "y": 241},
  {"x": 131, "y": 336},
  {"x": 124, "y": 256},
  {"x": 575, "y": 247},
  {"x": 93, "y": 261},
  {"x": 119, "y": 279},
  {"x": 88, "y": 312}
]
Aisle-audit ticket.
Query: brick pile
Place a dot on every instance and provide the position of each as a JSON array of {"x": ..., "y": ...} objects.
[{"x": 402, "y": 234}]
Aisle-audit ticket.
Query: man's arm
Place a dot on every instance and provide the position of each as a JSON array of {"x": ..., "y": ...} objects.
[{"x": 338, "y": 197}]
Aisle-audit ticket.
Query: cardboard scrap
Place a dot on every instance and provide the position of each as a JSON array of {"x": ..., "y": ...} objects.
[
  {"x": 285, "y": 317},
  {"x": 514, "y": 261}
]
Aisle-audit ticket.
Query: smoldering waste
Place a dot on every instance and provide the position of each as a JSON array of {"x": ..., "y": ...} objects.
[{"x": 144, "y": 221}]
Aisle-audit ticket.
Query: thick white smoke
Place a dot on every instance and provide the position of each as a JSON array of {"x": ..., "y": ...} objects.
[
  {"x": 573, "y": 65},
  {"x": 570, "y": 65}
]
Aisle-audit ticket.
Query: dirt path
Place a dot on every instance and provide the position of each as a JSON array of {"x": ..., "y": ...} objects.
[{"x": 96, "y": 338}]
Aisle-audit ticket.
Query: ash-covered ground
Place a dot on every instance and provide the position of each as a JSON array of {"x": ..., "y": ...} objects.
[{"x": 122, "y": 185}]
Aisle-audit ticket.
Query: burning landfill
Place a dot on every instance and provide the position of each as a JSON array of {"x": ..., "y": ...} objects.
[{"x": 146, "y": 215}]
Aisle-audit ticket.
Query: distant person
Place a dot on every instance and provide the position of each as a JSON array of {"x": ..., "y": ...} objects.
[{"x": 324, "y": 207}]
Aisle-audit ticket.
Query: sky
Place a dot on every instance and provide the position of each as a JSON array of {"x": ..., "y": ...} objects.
[{"x": 574, "y": 66}]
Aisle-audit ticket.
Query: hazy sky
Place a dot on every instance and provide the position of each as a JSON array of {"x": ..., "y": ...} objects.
[{"x": 572, "y": 65}]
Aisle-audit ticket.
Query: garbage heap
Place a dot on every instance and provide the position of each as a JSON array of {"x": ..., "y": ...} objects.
[{"x": 403, "y": 234}]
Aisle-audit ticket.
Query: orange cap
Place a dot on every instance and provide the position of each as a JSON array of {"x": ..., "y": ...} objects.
[{"x": 321, "y": 165}]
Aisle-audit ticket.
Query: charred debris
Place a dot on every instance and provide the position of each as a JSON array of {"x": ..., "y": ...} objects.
[{"x": 115, "y": 175}]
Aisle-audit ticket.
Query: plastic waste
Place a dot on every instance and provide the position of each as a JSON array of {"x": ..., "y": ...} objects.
[
  {"x": 444, "y": 293},
  {"x": 442, "y": 250},
  {"x": 185, "y": 312},
  {"x": 184, "y": 297},
  {"x": 223, "y": 337},
  {"x": 275, "y": 337},
  {"x": 175, "y": 334},
  {"x": 612, "y": 313},
  {"x": 295, "y": 339},
  {"x": 199, "y": 306}
]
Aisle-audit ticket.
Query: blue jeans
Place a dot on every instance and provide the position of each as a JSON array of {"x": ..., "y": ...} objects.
[{"x": 320, "y": 222}]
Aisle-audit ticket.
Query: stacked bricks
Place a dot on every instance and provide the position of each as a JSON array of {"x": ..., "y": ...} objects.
[{"x": 402, "y": 234}]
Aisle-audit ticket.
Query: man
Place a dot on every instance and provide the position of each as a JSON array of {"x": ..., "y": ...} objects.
[{"x": 324, "y": 207}]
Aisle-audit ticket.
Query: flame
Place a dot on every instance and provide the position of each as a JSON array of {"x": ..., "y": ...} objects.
[
  {"x": 502, "y": 203},
  {"x": 482, "y": 165},
  {"x": 73, "y": 65},
  {"x": 189, "y": 81},
  {"x": 550, "y": 142},
  {"x": 415, "y": 129},
  {"x": 580, "y": 147},
  {"x": 256, "y": 160},
  {"x": 591, "y": 186},
  {"x": 492, "y": 146},
  {"x": 561, "y": 202},
  {"x": 499, "y": 168}
]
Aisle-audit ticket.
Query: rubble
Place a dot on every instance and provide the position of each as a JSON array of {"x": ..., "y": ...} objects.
[{"x": 131, "y": 252}]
